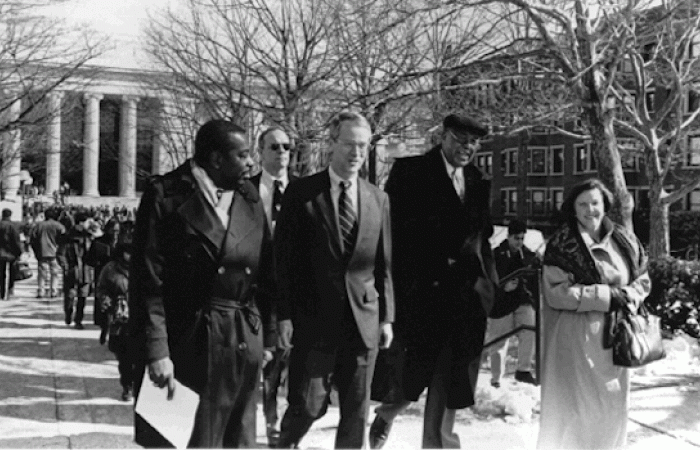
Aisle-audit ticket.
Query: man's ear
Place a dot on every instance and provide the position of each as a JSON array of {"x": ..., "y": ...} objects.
[{"x": 215, "y": 160}]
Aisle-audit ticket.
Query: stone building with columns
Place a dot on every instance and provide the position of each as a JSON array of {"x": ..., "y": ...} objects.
[{"x": 103, "y": 136}]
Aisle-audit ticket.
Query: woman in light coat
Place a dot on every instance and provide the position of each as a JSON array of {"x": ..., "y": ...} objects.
[{"x": 591, "y": 266}]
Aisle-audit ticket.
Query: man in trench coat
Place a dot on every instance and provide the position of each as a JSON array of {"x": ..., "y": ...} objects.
[{"x": 193, "y": 313}]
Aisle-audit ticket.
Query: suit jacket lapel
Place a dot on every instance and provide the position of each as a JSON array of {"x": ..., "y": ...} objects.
[
  {"x": 367, "y": 214},
  {"x": 200, "y": 215},
  {"x": 242, "y": 219}
]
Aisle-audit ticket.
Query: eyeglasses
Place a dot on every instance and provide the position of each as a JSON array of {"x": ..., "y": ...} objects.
[
  {"x": 276, "y": 147},
  {"x": 464, "y": 141}
]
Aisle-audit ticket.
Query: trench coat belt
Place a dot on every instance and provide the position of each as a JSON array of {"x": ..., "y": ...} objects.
[{"x": 245, "y": 309}]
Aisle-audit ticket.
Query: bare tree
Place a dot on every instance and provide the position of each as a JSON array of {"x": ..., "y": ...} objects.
[
  {"x": 600, "y": 61},
  {"x": 252, "y": 61}
]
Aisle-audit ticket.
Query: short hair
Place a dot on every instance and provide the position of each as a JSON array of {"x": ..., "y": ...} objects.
[
  {"x": 346, "y": 116},
  {"x": 261, "y": 138},
  {"x": 568, "y": 208},
  {"x": 516, "y": 227},
  {"x": 6, "y": 213},
  {"x": 211, "y": 135}
]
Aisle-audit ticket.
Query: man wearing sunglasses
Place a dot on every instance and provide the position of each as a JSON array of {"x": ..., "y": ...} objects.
[
  {"x": 440, "y": 214},
  {"x": 274, "y": 148}
]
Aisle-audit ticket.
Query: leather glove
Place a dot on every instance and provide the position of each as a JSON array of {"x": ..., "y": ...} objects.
[{"x": 618, "y": 299}]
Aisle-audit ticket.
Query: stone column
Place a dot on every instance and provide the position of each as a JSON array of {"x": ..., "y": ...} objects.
[
  {"x": 127, "y": 147},
  {"x": 91, "y": 151},
  {"x": 12, "y": 163},
  {"x": 53, "y": 157},
  {"x": 159, "y": 154}
]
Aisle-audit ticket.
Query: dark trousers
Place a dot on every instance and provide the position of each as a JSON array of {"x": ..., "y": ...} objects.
[
  {"x": 7, "y": 277},
  {"x": 272, "y": 379},
  {"x": 69, "y": 304},
  {"x": 312, "y": 372},
  {"x": 119, "y": 345}
]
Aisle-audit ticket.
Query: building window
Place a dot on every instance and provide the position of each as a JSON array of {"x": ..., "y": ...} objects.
[
  {"x": 585, "y": 162},
  {"x": 556, "y": 199},
  {"x": 630, "y": 151},
  {"x": 484, "y": 161},
  {"x": 509, "y": 201},
  {"x": 693, "y": 102},
  {"x": 556, "y": 160},
  {"x": 694, "y": 201},
  {"x": 537, "y": 205},
  {"x": 538, "y": 161},
  {"x": 509, "y": 162},
  {"x": 693, "y": 156}
]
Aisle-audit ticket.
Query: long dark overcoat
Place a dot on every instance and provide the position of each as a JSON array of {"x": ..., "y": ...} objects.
[{"x": 440, "y": 247}]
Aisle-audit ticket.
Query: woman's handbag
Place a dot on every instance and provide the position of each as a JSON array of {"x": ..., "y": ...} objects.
[
  {"x": 21, "y": 270},
  {"x": 636, "y": 338}
]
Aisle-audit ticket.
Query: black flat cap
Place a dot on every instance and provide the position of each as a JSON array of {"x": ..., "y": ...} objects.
[{"x": 463, "y": 124}]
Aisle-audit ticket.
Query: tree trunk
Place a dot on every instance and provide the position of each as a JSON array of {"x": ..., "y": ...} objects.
[
  {"x": 610, "y": 168},
  {"x": 659, "y": 244}
]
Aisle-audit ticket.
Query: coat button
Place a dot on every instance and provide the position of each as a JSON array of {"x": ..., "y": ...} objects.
[
  {"x": 247, "y": 271},
  {"x": 221, "y": 270},
  {"x": 242, "y": 346}
]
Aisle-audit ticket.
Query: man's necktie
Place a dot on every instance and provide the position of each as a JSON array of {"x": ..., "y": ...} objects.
[
  {"x": 346, "y": 218},
  {"x": 458, "y": 183},
  {"x": 276, "y": 200}
]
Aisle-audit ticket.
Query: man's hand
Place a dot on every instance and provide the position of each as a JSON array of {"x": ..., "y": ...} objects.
[
  {"x": 511, "y": 285},
  {"x": 162, "y": 374},
  {"x": 386, "y": 335},
  {"x": 285, "y": 330}
]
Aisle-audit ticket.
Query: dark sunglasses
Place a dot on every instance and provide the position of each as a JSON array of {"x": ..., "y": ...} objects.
[{"x": 276, "y": 147}]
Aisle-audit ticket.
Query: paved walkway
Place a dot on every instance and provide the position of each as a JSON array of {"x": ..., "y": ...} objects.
[{"x": 59, "y": 389}]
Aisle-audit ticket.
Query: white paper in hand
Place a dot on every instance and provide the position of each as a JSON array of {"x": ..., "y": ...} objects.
[{"x": 173, "y": 419}]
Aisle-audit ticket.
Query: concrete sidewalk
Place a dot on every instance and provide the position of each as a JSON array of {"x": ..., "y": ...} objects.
[{"x": 60, "y": 389}]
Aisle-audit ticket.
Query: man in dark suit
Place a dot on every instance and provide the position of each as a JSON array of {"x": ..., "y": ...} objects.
[
  {"x": 193, "y": 314},
  {"x": 10, "y": 250},
  {"x": 441, "y": 225},
  {"x": 333, "y": 249},
  {"x": 274, "y": 147}
]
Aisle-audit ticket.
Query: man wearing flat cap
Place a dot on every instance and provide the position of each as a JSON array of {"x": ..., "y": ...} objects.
[{"x": 443, "y": 271}]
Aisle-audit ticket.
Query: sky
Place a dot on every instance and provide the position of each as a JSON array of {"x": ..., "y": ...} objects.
[{"x": 120, "y": 20}]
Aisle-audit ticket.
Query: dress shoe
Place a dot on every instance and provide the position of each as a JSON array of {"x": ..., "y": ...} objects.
[
  {"x": 525, "y": 377},
  {"x": 103, "y": 337},
  {"x": 379, "y": 432},
  {"x": 496, "y": 384},
  {"x": 68, "y": 319},
  {"x": 126, "y": 395},
  {"x": 79, "y": 326}
]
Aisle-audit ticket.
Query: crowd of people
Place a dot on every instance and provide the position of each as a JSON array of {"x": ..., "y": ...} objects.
[{"x": 223, "y": 278}]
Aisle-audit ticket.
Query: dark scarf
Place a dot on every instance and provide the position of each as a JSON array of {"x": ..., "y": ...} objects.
[{"x": 566, "y": 250}]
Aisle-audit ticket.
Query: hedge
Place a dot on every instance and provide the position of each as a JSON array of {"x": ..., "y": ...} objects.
[{"x": 675, "y": 294}]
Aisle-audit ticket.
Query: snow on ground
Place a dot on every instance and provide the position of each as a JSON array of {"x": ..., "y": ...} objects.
[{"x": 517, "y": 402}]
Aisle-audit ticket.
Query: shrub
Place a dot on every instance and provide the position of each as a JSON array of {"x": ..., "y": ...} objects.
[{"x": 675, "y": 294}]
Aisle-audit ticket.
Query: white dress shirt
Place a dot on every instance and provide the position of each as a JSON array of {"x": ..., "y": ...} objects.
[
  {"x": 206, "y": 185},
  {"x": 456, "y": 174}
]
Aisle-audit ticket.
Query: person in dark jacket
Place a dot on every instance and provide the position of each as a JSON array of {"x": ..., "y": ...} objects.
[
  {"x": 77, "y": 276},
  {"x": 100, "y": 253},
  {"x": 193, "y": 311},
  {"x": 521, "y": 295},
  {"x": 10, "y": 250},
  {"x": 444, "y": 275},
  {"x": 113, "y": 291}
]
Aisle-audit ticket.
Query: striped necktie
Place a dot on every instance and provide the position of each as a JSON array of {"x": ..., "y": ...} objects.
[{"x": 346, "y": 218}]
